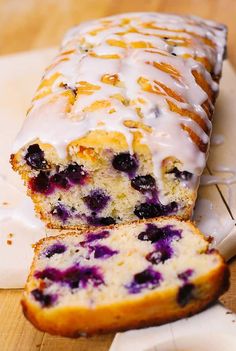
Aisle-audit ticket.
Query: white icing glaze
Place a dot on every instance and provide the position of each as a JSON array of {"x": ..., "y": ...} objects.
[
  {"x": 212, "y": 179},
  {"x": 228, "y": 181},
  {"x": 210, "y": 222},
  {"x": 14, "y": 205},
  {"x": 20, "y": 229},
  {"x": 217, "y": 139},
  {"x": 50, "y": 121}
]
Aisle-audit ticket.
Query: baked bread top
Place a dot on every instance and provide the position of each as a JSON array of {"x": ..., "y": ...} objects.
[{"x": 138, "y": 80}]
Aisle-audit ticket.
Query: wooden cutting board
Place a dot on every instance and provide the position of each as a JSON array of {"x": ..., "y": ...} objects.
[{"x": 19, "y": 75}]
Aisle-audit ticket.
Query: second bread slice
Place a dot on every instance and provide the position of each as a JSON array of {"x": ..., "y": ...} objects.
[{"x": 135, "y": 275}]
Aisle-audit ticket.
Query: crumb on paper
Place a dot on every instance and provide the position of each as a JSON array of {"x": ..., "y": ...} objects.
[
  {"x": 9, "y": 242},
  {"x": 4, "y": 203},
  {"x": 229, "y": 312},
  {"x": 10, "y": 235},
  {"x": 210, "y": 239}
]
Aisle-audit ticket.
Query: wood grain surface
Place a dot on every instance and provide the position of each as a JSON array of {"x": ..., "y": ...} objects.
[{"x": 31, "y": 24}]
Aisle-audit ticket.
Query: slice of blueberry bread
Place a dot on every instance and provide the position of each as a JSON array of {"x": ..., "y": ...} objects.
[
  {"x": 121, "y": 277},
  {"x": 119, "y": 127}
]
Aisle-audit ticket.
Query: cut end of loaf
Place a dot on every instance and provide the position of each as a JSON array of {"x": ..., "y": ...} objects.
[
  {"x": 122, "y": 277},
  {"x": 100, "y": 187}
]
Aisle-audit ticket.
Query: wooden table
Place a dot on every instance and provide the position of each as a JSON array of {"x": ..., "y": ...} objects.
[{"x": 30, "y": 24}]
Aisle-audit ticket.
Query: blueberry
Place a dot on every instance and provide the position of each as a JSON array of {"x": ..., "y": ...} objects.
[
  {"x": 75, "y": 276},
  {"x": 56, "y": 248},
  {"x": 102, "y": 251},
  {"x": 143, "y": 183},
  {"x": 60, "y": 180},
  {"x": 100, "y": 221},
  {"x": 97, "y": 200},
  {"x": 50, "y": 273},
  {"x": 80, "y": 277},
  {"x": 185, "y": 294},
  {"x": 145, "y": 279},
  {"x": 61, "y": 212},
  {"x": 154, "y": 234},
  {"x": 35, "y": 157},
  {"x": 146, "y": 210},
  {"x": 125, "y": 162},
  {"x": 75, "y": 173},
  {"x": 163, "y": 253},
  {"x": 170, "y": 208},
  {"x": 98, "y": 236},
  {"x": 149, "y": 210},
  {"x": 147, "y": 276},
  {"x": 185, "y": 275},
  {"x": 106, "y": 221},
  {"x": 45, "y": 299},
  {"x": 182, "y": 175},
  {"x": 41, "y": 183}
]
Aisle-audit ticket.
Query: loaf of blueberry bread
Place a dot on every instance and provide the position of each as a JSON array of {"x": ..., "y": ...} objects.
[
  {"x": 121, "y": 277},
  {"x": 119, "y": 127}
]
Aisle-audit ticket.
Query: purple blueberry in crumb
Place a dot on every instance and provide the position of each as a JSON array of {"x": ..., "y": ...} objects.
[
  {"x": 98, "y": 236},
  {"x": 106, "y": 221},
  {"x": 60, "y": 180},
  {"x": 50, "y": 273},
  {"x": 61, "y": 212},
  {"x": 41, "y": 183},
  {"x": 146, "y": 210},
  {"x": 75, "y": 276},
  {"x": 34, "y": 157},
  {"x": 100, "y": 221},
  {"x": 45, "y": 299},
  {"x": 182, "y": 175},
  {"x": 75, "y": 173},
  {"x": 125, "y": 162},
  {"x": 185, "y": 294},
  {"x": 154, "y": 233},
  {"x": 80, "y": 277},
  {"x": 149, "y": 210},
  {"x": 96, "y": 200},
  {"x": 185, "y": 275},
  {"x": 147, "y": 279},
  {"x": 54, "y": 249},
  {"x": 170, "y": 208},
  {"x": 162, "y": 253},
  {"x": 102, "y": 251},
  {"x": 143, "y": 183}
]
